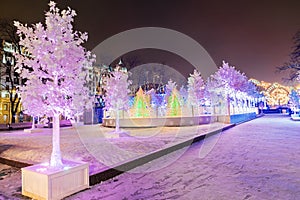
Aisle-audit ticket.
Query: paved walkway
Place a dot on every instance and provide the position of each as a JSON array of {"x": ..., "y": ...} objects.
[
  {"x": 255, "y": 160},
  {"x": 90, "y": 144}
]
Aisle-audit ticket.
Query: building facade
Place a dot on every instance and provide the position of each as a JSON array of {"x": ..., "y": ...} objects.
[{"x": 9, "y": 81}]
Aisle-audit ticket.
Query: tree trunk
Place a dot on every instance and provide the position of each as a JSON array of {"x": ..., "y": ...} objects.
[
  {"x": 193, "y": 111},
  {"x": 77, "y": 118},
  {"x": 228, "y": 104},
  {"x": 14, "y": 102},
  {"x": 13, "y": 116},
  {"x": 117, "y": 121},
  {"x": 33, "y": 126},
  {"x": 56, "y": 160},
  {"x": 93, "y": 110},
  {"x": 214, "y": 109}
]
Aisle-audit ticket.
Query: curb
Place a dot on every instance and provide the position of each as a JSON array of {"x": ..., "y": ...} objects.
[
  {"x": 13, "y": 163},
  {"x": 250, "y": 119}
]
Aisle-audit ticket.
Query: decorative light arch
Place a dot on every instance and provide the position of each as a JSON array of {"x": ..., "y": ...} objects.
[{"x": 275, "y": 93}]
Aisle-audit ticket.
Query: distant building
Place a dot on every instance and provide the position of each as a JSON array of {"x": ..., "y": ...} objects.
[
  {"x": 97, "y": 74},
  {"x": 6, "y": 75}
]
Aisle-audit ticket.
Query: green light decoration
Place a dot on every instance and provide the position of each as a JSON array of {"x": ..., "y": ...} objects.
[
  {"x": 173, "y": 104},
  {"x": 140, "y": 108}
]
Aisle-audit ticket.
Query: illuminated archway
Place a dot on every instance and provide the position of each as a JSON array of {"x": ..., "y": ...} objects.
[{"x": 275, "y": 93}]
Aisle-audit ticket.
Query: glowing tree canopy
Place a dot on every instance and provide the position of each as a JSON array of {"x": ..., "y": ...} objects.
[
  {"x": 251, "y": 90},
  {"x": 140, "y": 107},
  {"x": 227, "y": 80},
  {"x": 117, "y": 89},
  {"x": 183, "y": 94},
  {"x": 174, "y": 104},
  {"x": 169, "y": 88},
  {"x": 58, "y": 71},
  {"x": 196, "y": 88},
  {"x": 294, "y": 98},
  {"x": 81, "y": 100},
  {"x": 32, "y": 107}
]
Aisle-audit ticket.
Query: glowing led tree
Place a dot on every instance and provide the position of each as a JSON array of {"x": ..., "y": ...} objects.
[
  {"x": 226, "y": 82},
  {"x": 156, "y": 102},
  {"x": 294, "y": 98},
  {"x": 196, "y": 88},
  {"x": 116, "y": 98},
  {"x": 81, "y": 100},
  {"x": 34, "y": 106},
  {"x": 140, "y": 107},
  {"x": 58, "y": 65},
  {"x": 169, "y": 88},
  {"x": 183, "y": 95},
  {"x": 174, "y": 104},
  {"x": 251, "y": 93}
]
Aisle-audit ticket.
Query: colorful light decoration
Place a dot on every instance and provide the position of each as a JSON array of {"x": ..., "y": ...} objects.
[
  {"x": 173, "y": 108},
  {"x": 57, "y": 79},
  {"x": 140, "y": 108},
  {"x": 275, "y": 93}
]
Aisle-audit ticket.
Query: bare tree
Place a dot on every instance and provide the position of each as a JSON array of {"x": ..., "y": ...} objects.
[
  {"x": 10, "y": 78},
  {"x": 293, "y": 65}
]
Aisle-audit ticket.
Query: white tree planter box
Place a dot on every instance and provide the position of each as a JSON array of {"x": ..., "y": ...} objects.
[{"x": 43, "y": 182}]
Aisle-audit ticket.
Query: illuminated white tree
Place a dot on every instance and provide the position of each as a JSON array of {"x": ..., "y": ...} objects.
[
  {"x": 228, "y": 79},
  {"x": 251, "y": 92},
  {"x": 58, "y": 65},
  {"x": 183, "y": 93},
  {"x": 295, "y": 98},
  {"x": 81, "y": 101},
  {"x": 196, "y": 88},
  {"x": 169, "y": 88},
  {"x": 226, "y": 82},
  {"x": 34, "y": 106},
  {"x": 116, "y": 97}
]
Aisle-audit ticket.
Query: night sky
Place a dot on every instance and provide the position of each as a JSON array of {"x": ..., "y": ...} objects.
[{"x": 254, "y": 36}]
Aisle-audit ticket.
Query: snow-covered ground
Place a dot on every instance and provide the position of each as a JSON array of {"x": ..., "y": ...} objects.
[
  {"x": 255, "y": 160},
  {"x": 88, "y": 143},
  {"x": 10, "y": 183}
]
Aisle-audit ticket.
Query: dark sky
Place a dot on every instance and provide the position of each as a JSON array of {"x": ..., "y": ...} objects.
[{"x": 255, "y": 36}]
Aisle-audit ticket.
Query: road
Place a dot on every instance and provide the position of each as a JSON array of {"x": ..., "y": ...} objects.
[{"x": 254, "y": 160}]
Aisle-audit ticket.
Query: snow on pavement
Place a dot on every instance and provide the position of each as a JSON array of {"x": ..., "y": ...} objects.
[
  {"x": 88, "y": 143},
  {"x": 255, "y": 160}
]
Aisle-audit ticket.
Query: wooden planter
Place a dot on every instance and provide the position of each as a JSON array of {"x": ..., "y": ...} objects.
[{"x": 43, "y": 182}]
